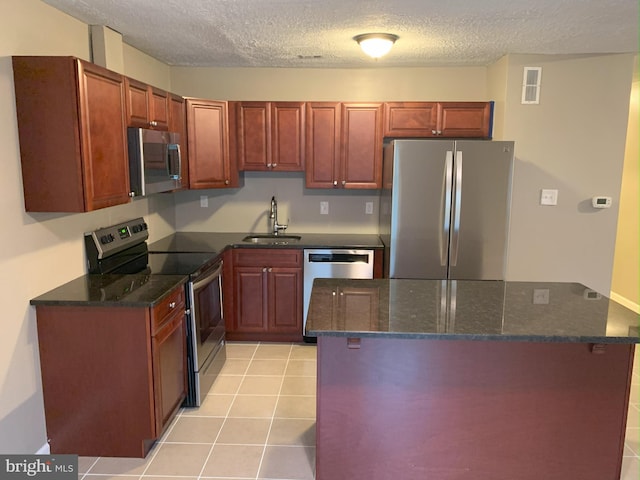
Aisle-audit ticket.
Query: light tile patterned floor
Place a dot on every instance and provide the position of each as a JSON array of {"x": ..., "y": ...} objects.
[{"x": 258, "y": 423}]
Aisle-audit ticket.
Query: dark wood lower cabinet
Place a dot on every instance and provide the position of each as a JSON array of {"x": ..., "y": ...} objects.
[
  {"x": 392, "y": 409},
  {"x": 267, "y": 295},
  {"x": 112, "y": 377}
]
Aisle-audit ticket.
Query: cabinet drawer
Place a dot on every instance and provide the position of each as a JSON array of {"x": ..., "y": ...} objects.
[
  {"x": 161, "y": 313},
  {"x": 267, "y": 257}
]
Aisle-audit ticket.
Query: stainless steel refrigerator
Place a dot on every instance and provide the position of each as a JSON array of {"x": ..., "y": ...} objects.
[{"x": 444, "y": 208}]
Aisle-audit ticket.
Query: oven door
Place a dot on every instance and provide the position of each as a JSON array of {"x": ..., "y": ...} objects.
[{"x": 207, "y": 320}]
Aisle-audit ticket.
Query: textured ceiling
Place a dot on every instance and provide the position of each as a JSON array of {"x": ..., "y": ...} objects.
[{"x": 319, "y": 33}]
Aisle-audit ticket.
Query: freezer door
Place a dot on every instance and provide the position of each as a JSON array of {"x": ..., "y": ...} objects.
[
  {"x": 480, "y": 210},
  {"x": 420, "y": 208}
]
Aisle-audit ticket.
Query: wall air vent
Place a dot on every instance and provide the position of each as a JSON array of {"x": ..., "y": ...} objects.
[{"x": 531, "y": 85}]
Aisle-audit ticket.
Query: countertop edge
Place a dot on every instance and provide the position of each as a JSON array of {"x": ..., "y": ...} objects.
[{"x": 475, "y": 338}]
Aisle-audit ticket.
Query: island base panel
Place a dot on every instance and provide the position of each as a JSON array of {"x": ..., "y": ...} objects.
[{"x": 470, "y": 410}]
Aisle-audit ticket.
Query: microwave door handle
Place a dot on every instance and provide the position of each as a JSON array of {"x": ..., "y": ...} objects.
[{"x": 174, "y": 168}]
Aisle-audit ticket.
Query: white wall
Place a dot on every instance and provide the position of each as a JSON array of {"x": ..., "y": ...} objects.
[
  {"x": 626, "y": 268},
  {"x": 573, "y": 141},
  {"x": 39, "y": 252}
]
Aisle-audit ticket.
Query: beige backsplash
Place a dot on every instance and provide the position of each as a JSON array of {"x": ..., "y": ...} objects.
[{"x": 246, "y": 209}]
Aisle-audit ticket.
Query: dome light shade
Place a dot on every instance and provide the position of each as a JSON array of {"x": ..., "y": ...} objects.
[{"x": 376, "y": 44}]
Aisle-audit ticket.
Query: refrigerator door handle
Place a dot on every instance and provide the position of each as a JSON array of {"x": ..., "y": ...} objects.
[
  {"x": 446, "y": 208},
  {"x": 457, "y": 204}
]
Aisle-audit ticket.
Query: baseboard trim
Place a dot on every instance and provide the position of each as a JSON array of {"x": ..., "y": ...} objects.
[
  {"x": 44, "y": 450},
  {"x": 626, "y": 302}
]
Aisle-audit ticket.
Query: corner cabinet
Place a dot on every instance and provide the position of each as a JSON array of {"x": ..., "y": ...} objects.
[
  {"x": 270, "y": 135},
  {"x": 438, "y": 119},
  {"x": 267, "y": 295},
  {"x": 344, "y": 145},
  {"x": 129, "y": 371},
  {"x": 71, "y": 122},
  {"x": 210, "y": 165}
]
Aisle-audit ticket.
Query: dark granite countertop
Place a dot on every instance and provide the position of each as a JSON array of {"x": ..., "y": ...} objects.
[
  {"x": 136, "y": 290},
  {"x": 217, "y": 242},
  {"x": 468, "y": 310}
]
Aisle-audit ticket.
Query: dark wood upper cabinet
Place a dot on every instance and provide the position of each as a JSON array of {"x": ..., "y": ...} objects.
[
  {"x": 344, "y": 145},
  {"x": 322, "y": 144},
  {"x": 410, "y": 119},
  {"x": 210, "y": 165},
  {"x": 437, "y": 119},
  {"x": 147, "y": 106},
  {"x": 361, "y": 140},
  {"x": 71, "y": 122},
  {"x": 465, "y": 119},
  {"x": 270, "y": 135}
]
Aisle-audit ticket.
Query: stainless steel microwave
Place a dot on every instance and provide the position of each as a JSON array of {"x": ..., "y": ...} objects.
[{"x": 154, "y": 161}]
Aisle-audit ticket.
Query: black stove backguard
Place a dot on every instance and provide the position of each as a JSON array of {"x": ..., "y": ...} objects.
[{"x": 120, "y": 247}]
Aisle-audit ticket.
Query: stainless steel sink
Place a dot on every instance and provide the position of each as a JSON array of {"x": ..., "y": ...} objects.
[{"x": 271, "y": 239}]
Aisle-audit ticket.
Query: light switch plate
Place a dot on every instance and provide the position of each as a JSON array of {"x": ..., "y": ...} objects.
[
  {"x": 324, "y": 208},
  {"x": 549, "y": 197},
  {"x": 204, "y": 201}
]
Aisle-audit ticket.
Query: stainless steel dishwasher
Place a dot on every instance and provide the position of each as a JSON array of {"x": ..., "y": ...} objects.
[{"x": 333, "y": 263}]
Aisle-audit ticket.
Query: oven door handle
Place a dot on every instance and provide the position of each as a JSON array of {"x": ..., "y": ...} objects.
[{"x": 208, "y": 279}]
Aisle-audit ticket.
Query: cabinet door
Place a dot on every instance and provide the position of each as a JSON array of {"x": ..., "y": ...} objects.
[
  {"x": 104, "y": 145},
  {"x": 361, "y": 153},
  {"x": 285, "y": 295},
  {"x": 287, "y": 136},
  {"x": 464, "y": 119},
  {"x": 410, "y": 119},
  {"x": 169, "y": 354},
  {"x": 250, "y": 295},
  {"x": 137, "y": 103},
  {"x": 322, "y": 144},
  {"x": 358, "y": 308},
  {"x": 253, "y": 135},
  {"x": 208, "y": 147},
  {"x": 178, "y": 123},
  {"x": 159, "y": 111}
]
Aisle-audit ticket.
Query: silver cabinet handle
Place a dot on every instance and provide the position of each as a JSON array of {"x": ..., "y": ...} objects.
[
  {"x": 335, "y": 183},
  {"x": 153, "y": 123},
  {"x": 434, "y": 132},
  {"x": 226, "y": 182},
  {"x": 132, "y": 194},
  {"x": 344, "y": 182},
  {"x": 274, "y": 165},
  {"x": 172, "y": 305},
  {"x": 264, "y": 269},
  {"x": 268, "y": 165}
]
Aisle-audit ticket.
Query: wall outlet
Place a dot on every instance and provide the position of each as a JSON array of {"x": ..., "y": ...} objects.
[
  {"x": 204, "y": 201},
  {"x": 548, "y": 197},
  {"x": 541, "y": 296},
  {"x": 324, "y": 208},
  {"x": 368, "y": 208}
]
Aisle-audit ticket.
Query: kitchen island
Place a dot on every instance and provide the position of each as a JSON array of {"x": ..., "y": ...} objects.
[{"x": 477, "y": 380}]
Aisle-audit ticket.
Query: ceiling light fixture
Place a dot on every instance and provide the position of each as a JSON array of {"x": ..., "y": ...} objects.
[{"x": 376, "y": 44}]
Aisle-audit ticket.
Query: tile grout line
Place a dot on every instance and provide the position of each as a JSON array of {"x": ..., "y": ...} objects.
[
  {"x": 235, "y": 395},
  {"x": 273, "y": 415}
]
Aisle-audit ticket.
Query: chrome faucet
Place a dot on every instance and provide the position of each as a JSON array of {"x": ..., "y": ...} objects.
[{"x": 273, "y": 214}]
